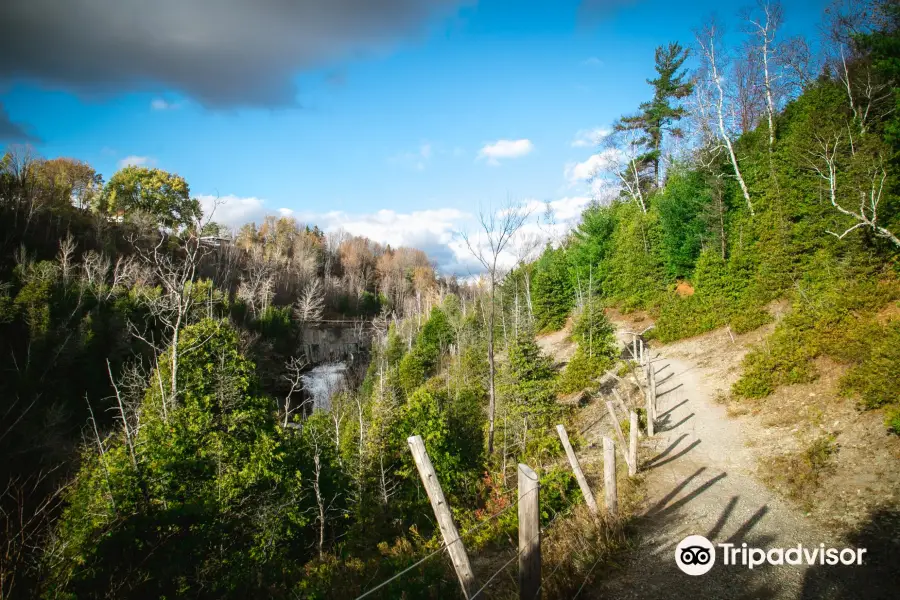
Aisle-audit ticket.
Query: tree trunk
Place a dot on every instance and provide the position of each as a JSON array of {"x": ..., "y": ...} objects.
[{"x": 491, "y": 394}]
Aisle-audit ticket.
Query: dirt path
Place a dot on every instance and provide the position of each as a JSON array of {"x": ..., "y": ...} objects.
[{"x": 700, "y": 480}]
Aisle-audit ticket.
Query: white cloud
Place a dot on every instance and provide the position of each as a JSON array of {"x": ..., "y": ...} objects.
[
  {"x": 232, "y": 211},
  {"x": 589, "y": 138},
  {"x": 586, "y": 170},
  {"x": 505, "y": 149},
  {"x": 136, "y": 161},
  {"x": 163, "y": 104},
  {"x": 433, "y": 230},
  {"x": 569, "y": 209},
  {"x": 593, "y": 61}
]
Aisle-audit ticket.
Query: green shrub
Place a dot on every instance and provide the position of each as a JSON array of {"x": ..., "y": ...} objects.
[
  {"x": 783, "y": 359},
  {"x": 832, "y": 319},
  {"x": 752, "y": 318},
  {"x": 874, "y": 378},
  {"x": 681, "y": 318},
  {"x": 581, "y": 372}
]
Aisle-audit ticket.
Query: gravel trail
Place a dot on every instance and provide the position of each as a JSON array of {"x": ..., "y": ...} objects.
[{"x": 699, "y": 480}]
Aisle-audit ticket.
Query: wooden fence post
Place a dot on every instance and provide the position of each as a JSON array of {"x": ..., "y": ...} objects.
[
  {"x": 442, "y": 512},
  {"x": 609, "y": 476},
  {"x": 634, "y": 349},
  {"x": 632, "y": 443},
  {"x": 619, "y": 402},
  {"x": 653, "y": 388},
  {"x": 576, "y": 468},
  {"x": 624, "y": 406},
  {"x": 621, "y": 437},
  {"x": 529, "y": 534}
]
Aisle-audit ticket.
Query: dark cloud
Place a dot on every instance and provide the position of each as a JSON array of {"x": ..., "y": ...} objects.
[
  {"x": 222, "y": 52},
  {"x": 13, "y": 132}
]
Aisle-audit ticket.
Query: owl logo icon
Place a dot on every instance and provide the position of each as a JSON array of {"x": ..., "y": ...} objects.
[{"x": 695, "y": 555}]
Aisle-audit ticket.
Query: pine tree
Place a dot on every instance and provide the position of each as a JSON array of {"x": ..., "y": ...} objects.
[{"x": 658, "y": 116}]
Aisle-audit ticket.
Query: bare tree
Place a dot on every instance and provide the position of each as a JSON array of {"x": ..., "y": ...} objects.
[
  {"x": 26, "y": 513},
  {"x": 173, "y": 307},
  {"x": 66, "y": 250},
  {"x": 22, "y": 165},
  {"x": 799, "y": 65},
  {"x": 95, "y": 269},
  {"x": 257, "y": 284},
  {"x": 764, "y": 24},
  {"x": 310, "y": 306},
  {"x": 744, "y": 95},
  {"x": 823, "y": 160},
  {"x": 294, "y": 376},
  {"x": 867, "y": 95},
  {"x": 499, "y": 227},
  {"x": 525, "y": 249},
  {"x": 318, "y": 442},
  {"x": 712, "y": 98},
  {"x": 621, "y": 157}
]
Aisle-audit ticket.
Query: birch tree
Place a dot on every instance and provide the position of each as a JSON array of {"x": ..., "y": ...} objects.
[
  {"x": 176, "y": 274},
  {"x": 868, "y": 188},
  {"x": 712, "y": 99},
  {"x": 764, "y": 23},
  {"x": 622, "y": 157},
  {"x": 498, "y": 228}
]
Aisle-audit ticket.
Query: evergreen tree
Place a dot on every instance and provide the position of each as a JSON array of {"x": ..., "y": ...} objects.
[
  {"x": 659, "y": 116},
  {"x": 552, "y": 292}
]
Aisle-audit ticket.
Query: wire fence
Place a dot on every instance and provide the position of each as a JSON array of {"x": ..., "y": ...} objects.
[
  {"x": 492, "y": 518},
  {"x": 566, "y": 510},
  {"x": 540, "y": 533},
  {"x": 444, "y": 546}
]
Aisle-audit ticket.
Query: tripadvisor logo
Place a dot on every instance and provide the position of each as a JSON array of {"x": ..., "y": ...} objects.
[{"x": 695, "y": 555}]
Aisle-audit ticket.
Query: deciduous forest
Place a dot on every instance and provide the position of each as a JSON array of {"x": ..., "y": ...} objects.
[{"x": 157, "y": 438}]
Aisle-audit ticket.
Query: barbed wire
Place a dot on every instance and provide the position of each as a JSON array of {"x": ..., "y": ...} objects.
[
  {"x": 445, "y": 545},
  {"x": 473, "y": 529},
  {"x": 586, "y": 577},
  {"x": 519, "y": 551}
]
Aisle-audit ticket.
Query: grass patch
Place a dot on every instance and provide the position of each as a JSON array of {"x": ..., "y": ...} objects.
[{"x": 800, "y": 474}]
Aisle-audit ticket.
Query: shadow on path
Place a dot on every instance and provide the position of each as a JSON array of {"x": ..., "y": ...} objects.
[
  {"x": 655, "y": 462},
  {"x": 877, "y": 578},
  {"x": 663, "y": 424},
  {"x": 669, "y": 391},
  {"x": 669, "y": 411},
  {"x": 651, "y": 568}
]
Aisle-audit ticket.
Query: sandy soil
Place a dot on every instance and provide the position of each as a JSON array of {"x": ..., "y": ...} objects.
[{"x": 558, "y": 345}]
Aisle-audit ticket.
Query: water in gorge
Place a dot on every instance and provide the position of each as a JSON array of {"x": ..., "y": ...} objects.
[{"x": 322, "y": 382}]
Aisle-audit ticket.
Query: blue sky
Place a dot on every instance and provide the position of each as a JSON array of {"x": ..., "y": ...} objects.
[{"x": 405, "y": 125}]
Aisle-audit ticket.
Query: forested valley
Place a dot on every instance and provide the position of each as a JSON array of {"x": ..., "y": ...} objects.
[{"x": 157, "y": 436}]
